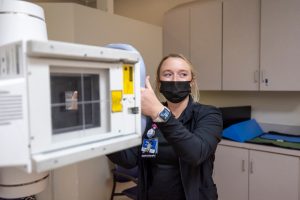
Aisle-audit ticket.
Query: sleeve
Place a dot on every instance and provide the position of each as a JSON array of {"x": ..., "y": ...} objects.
[
  {"x": 125, "y": 158},
  {"x": 200, "y": 143},
  {"x": 128, "y": 158}
]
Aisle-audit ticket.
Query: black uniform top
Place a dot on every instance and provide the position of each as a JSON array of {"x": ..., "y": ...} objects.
[
  {"x": 193, "y": 137},
  {"x": 165, "y": 180}
]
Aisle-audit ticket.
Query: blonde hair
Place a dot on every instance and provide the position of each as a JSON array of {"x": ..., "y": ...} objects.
[{"x": 194, "y": 88}]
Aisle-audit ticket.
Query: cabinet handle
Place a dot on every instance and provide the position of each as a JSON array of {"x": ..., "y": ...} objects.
[
  {"x": 264, "y": 79},
  {"x": 251, "y": 167},
  {"x": 266, "y": 82},
  {"x": 243, "y": 166}
]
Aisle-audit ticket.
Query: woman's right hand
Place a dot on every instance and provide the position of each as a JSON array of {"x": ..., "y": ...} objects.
[{"x": 150, "y": 104}]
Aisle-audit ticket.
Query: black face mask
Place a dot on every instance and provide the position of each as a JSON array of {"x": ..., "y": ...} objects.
[{"x": 175, "y": 91}]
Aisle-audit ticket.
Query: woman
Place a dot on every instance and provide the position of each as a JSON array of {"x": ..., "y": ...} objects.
[{"x": 177, "y": 153}]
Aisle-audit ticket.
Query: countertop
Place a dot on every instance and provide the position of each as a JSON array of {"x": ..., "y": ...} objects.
[{"x": 259, "y": 147}]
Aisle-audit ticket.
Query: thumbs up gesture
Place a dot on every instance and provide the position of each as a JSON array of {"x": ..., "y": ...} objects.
[{"x": 151, "y": 106}]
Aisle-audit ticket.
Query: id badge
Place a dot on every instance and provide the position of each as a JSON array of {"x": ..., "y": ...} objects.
[{"x": 149, "y": 147}]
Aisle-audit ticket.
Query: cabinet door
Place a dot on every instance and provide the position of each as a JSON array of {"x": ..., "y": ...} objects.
[
  {"x": 241, "y": 19},
  {"x": 231, "y": 173},
  {"x": 176, "y": 32},
  {"x": 273, "y": 176},
  {"x": 280, "y": 44},
  {"x": 206, "y": 46}
]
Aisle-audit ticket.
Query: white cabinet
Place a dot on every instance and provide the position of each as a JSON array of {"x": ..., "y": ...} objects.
[
  {"x": 231, "y": 173},
  {"x": 206, "y": 43},
  {"x": 273, "y": 176},
  {"x": 238, "y": 44},
  {"x": 261, "y": 45},
  {"x": 241, "y": 44},
  {"x": 221, "y": 37},
  {"x": 195, "y": 30},
  {"x": 280, "y": 44},
  {"x": 176, "y": 32},
  {"x": 243, "y": 174}
]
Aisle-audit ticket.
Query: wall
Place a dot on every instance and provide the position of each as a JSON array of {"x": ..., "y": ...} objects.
[
  {"x": 146, "y": 38},
  {"x": 70, "y": 22},
  {"x": 268, "y": 107},
  {"x": 60, "y": 23},
  {"x": 75, "y": 23},
  {"x": 145, "y": 10}
]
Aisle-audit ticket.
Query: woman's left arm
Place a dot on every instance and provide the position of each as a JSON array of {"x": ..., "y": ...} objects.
[{"x": 200, "y": 143}]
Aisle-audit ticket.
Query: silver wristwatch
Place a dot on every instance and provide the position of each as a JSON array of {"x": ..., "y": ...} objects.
[{"x": 163, "y": 115}]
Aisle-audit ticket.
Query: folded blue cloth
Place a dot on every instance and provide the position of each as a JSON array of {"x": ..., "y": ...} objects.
[{"x": 243, "y": 131}]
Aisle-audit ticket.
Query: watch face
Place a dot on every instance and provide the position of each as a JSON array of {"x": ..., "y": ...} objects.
[{"x": 165, "y": 114}]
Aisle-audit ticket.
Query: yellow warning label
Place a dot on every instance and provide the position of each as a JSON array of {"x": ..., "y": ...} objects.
[
  {"x": 116, "y": 99},
  {"x": 128, "y": 79}
]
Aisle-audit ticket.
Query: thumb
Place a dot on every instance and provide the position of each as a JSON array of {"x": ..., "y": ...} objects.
[{"x": 147, "y": 83}]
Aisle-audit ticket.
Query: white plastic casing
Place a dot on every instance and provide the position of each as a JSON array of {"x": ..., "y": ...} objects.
[
  {"x": 21, "y": 20},
  {"x": 27, "y": 137}
]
